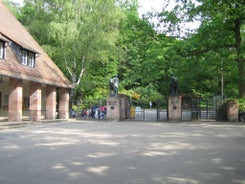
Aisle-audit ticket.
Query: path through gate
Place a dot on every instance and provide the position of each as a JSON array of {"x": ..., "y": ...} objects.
[{"x": 157, "y": 112}]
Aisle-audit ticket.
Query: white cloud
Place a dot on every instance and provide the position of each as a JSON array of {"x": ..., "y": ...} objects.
[{"x": 149, "y": 5}]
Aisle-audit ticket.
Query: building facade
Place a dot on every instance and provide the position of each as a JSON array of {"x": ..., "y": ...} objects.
[{"x": 32, "y": 87}]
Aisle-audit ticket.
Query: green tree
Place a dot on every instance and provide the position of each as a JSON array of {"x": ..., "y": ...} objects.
[
  {"x": 143, "y": 68},
  {"x": 13, "y": 7},
  {"x": 79, "y": 35},
  {"x": 219, "y": 37},
  {"x": 202, "y": 72}
]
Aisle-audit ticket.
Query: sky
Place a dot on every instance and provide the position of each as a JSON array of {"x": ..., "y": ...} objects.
[{"x": 148, "y": 5}]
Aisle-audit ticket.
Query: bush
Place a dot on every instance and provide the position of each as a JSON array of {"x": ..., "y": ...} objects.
[{"x": 241, "y": 103}]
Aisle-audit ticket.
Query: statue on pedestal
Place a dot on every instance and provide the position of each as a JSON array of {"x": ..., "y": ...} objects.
[
  {"x": 114, "y": 85},
  {"x": 173, "y": 86}
]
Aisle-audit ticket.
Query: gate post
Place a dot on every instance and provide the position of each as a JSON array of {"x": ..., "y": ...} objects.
[
  {"x": 174, "y": 108},
  {"x": 117, "y": 108},
  {"x": 232, "y": 110}
]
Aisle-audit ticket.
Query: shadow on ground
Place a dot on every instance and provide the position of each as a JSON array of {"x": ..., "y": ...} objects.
[{"x": 125, "y": 152}]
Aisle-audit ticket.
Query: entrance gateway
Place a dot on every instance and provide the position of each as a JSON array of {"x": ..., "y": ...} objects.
[
  {"x": 191, "y": 110},
  {"x": 173, "y": 109}
]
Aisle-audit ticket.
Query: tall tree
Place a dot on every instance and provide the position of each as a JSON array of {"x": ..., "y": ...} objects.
[
  {"x": 78, "y": 34},
  {"x": 143, "y": 68},
  {"x": 220, "y": 31},
  {"x": 87, "y": 33}
]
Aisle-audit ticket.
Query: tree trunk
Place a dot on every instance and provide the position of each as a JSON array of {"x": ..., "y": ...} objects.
[
  {"x": 241, "y": 70},
  {"x": 240, "y": 59}
]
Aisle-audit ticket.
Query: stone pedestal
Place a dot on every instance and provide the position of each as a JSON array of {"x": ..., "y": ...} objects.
[
  {"x": 118, "y": 108},
  {"x": 113, "y": 109},
  {"x": 232, "y": 110},
  {"x": 174, "y": 109}
]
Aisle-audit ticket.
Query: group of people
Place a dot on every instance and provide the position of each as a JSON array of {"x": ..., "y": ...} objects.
[{"x": 96, "y": 112}]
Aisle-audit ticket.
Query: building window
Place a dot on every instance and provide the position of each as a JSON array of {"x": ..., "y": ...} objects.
[
  {"x": 26, "y": 103},
  {"x": 24, "y": 57},
  {"x": 28, "y": 58},
  {"x": 2, "y": 50},
  {"x": 6, "y": 102},
  {"x": 31, "y": 60},
  {"x": 0, "y": 99}
]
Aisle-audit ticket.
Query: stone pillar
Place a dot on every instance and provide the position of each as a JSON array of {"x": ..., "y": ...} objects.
[
  {"x": 113, "y": 109},
  {"x": 125, "y": 106},
  {"x": 174, "y": 109},
  {"x": 50, "y": 102},
  {"x": 64, "y": 103},
  {"x": 232, "y": 110},
  {"x": 35, "y": 101},
  {"x": 15, "y": 100}
]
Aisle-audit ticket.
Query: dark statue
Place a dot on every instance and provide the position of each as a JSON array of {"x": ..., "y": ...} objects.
[
  {"x": 173, "y": 86},
  {"x": 114, "y": 85}
]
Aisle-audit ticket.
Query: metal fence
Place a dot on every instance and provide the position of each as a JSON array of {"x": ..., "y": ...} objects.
[
  {"x": 204, "y": 109},
  {"x": 192, "y": 110},
  {"x": 154, "y": 111}
]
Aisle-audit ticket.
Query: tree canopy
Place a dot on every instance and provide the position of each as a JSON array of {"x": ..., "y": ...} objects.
[
  {"x": 218, "y": 41},
  {"x": 93, "y": 40}
]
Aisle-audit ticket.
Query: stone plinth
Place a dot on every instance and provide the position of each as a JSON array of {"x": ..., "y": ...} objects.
[
  {"x": 113, "y": 109},
  {"x": 118, "y": 108},
  {"x": 232, "y": 110},
  {"x": 174, "y": 109}
]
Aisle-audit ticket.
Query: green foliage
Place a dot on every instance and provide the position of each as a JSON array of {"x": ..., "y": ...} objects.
[
  {"x": 13, "y": 7},
  {"x": 210, "y": 53},
  {"x": 80, "y": 36},
  {"x": 143, "y": 67},
  {"x": 241, "y": 103},
  {"x": 93, "y": 40}
]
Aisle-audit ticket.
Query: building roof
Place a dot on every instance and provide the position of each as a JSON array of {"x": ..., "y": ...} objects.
[{"x": 45, "y": 71}]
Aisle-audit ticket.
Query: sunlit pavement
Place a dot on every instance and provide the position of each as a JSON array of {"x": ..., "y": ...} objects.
[{"x": 123, "y": 153}]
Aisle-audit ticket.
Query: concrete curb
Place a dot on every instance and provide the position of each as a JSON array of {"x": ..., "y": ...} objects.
[{"x": 8, "y": 125}]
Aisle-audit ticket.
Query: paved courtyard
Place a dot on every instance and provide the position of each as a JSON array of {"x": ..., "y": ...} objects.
[{"x": 123, "y": 153}]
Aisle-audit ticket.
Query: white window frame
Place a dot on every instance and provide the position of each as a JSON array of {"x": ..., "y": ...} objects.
[
  {"x": 28, "y": 58},
  {"x": 24, "y": 57},
  {"x": 2, "y": 50},
  {"x": 31, "y": 59}
]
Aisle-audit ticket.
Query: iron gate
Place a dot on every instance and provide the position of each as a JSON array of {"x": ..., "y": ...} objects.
[
  {"x": 204, "y": 110},
  {"x": 145, "y": 112},
  {"x": 191, "y": 110}
]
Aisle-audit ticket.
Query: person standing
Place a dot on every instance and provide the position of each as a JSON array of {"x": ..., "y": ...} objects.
[{"x": 150, "y": 104}]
